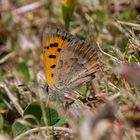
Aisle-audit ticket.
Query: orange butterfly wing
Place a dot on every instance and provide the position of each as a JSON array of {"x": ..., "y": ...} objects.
[{"x": 53, "y": 41}]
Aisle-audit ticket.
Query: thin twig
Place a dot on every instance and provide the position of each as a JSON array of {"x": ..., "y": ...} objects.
[
  {"x": 4, "y": 59},
  {"x": 19, "y": 137},
  {"x": 116, "y": 59},
  {"x": 111, "y": 84},
  {"x": 129, "y": 24},
  {"x": 12, "y": 98},
  {"x": 128, "y": 34}
]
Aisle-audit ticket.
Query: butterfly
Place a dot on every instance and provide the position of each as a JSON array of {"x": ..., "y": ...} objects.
[{"x": 69, "y": 61}]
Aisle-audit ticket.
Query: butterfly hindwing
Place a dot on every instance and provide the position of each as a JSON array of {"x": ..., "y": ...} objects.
[{"x": 77, "y": 64}]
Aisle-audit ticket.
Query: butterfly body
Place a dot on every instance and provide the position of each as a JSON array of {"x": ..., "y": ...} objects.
[{"x": 69, "y": 62}]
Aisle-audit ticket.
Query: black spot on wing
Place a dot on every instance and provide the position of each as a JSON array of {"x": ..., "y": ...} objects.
[
  {"x": 59, "y": 49},
  {"x": 53, "y": 66},
  {"x": 55, "y": 44},
  {"x": 52, "y": 56},
  {"x": 51, "y": 45}
]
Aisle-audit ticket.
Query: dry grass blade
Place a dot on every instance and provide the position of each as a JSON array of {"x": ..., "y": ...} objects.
[{"x": 12, "y": 98}]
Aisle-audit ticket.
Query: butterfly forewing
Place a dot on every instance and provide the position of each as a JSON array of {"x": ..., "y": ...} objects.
[
  {"x": 77, "y": 64},
  {"x": 52, "y": 45}
]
